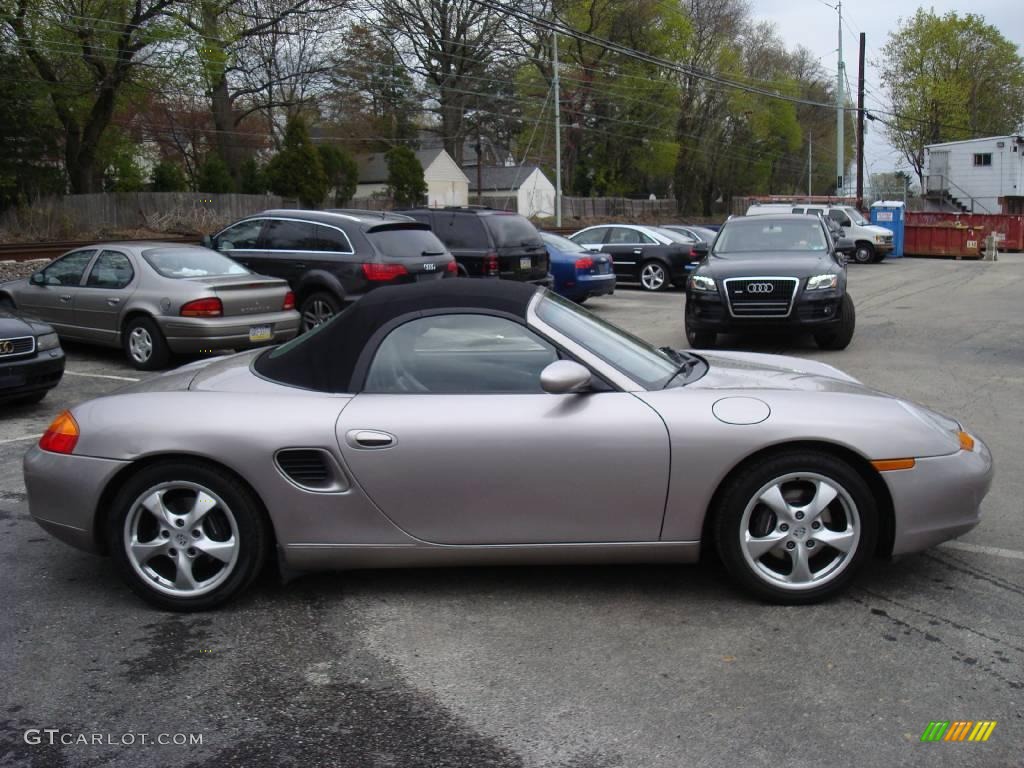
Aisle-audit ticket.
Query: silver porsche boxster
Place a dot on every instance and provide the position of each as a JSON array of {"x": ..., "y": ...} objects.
[{"x": 487, "y": 422}]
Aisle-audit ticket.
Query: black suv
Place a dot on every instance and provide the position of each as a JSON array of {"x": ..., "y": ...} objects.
[
  {"x": 771, "y": 272},
  {"x": 333, "y": 257},
  {"x": 489, "y": 243}
]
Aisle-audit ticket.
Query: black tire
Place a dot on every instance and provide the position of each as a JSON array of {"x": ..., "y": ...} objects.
[
  {"x": 659, "y": 279},
  {"x": 6, "y": 302},
  {"x": 741, "y": 491},
  {"x": 841, "y": 336},
  {"x": 142, "y": 333},
  {"x": 701, "y": 339},
  {"x": 317, "y": 308},
  {"x": 864, "y": 254},
  {"x": 582, "y": 299},
  {"x": 243, "y": 506}
]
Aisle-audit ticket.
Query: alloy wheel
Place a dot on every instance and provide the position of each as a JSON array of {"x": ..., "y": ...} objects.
[
  {"x": 315, "y": 313},
  {"x": 652, "y": 276},
  {"x": 181, "y": 538},
  {"x": 800, "y": 531}
]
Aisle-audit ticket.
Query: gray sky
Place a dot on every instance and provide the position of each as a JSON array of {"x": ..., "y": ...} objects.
[{"x": 813, "y": 24}]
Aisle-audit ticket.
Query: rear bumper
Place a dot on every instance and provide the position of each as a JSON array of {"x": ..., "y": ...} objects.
[
  {"x": 28, "y": 376},
  {"x": 585, "y": 286},
  {"x": 64, "y": 493},
  {"x": 192, "y": 335},
  {"x": 940, "y": 498}
]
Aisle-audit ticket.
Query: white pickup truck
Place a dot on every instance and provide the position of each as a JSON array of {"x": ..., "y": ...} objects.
[{"x": 874, "y": 243}]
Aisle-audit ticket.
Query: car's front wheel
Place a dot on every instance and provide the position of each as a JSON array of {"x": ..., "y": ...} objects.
[
  {"x": 842, "y": 334},
  {"x": 700, "y": 339},
  {"x": 796, "y": 527},
  {"x": 653, "y": 276},
  {"x": 318, "y": 308},
  {"x": 186, "y": 537}
]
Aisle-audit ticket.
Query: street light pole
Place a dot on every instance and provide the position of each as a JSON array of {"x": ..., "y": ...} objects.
[
  {"x": 558, "y": 131},
  {"x": 840, "y": 115}
]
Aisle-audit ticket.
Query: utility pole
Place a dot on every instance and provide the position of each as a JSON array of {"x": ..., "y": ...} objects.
[
  {"x": 810, "y": 144},
  {"x": 840, "y": 114},
  {"x": 860, "y": 125},
  {"x": 558, "y": 130},
  {"x": 479, "y": 164}
]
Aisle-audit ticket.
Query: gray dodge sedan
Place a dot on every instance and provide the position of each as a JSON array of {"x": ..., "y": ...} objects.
[
  {"x": 156, "y": 299},
  {"x": 473, "y": 421}
]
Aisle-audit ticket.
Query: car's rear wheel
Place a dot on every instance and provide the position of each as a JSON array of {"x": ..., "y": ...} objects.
[
  {"x": 796, "y": 527},
  {"x": 318, "y": 308},
  {"x": 144, "y": 345},
  {"x": 653, "y": 276},
  {"x": 186, "y": 537},
  {"x": 841, "y": 336},
  {"x": 865, "y": 253},
  {"x": 6, "y": 302},
  {"x": 701, "y": 339}
]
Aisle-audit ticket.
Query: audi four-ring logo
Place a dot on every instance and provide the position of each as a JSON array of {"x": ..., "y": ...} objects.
[
  {"x": 760, "y": 287},
  {"x": 6, "y": 347}
]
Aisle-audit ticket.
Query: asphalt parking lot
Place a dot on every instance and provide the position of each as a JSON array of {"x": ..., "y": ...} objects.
[{"x": 586, "y": 667}]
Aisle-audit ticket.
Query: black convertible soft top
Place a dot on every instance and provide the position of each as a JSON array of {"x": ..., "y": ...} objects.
[{"x": 325, "y": 358}]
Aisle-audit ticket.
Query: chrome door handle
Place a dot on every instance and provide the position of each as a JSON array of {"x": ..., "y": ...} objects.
[
  {"x": 368, "y": 438},
  {"x": 638, "y": 251},
  {"x": 66, "y": 297},
  {"x": 113, "y": 302}
]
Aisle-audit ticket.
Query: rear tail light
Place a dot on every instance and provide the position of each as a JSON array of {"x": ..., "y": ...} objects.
[
  {"x": 491, "y": 264},
  {"x": 585, "y": 263},
  {"x": 289, "y": 301},
  {"x": 693, "y": 253},
  {"x": 62, "y": 435},
  {"x": 452, "y": 267},
  {"x": 379, "y": 272},
  {"x": 202, "y": 308}
]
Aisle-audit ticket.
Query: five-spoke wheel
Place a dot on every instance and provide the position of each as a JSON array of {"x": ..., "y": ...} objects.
[{"x": 653, "y": 276}]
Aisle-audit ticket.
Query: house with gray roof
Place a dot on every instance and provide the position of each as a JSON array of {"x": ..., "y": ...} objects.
[
  {"x": 523, "y": 188},
  {"x": 446, "y": 183}
]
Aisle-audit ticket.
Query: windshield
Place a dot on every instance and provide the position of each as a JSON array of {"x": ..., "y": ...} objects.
[
  {"x": 561, "y": 243},
  {"x": 511, "y": 230},
  {"x": 801, "y": 234},
  {"x": 179, "y": 263},
  {"x": 644, "y": 364},
  {"x": 854, "y": 214}
]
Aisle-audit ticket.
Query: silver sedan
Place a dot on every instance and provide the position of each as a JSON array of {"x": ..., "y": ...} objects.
[
  {"x": 489, "y": 422},
  {"x": 155, "y": 300}
]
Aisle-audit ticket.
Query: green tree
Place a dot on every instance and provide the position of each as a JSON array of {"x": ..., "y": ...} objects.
[
  {"x": 214, "y": 176},
  {"x": 406, "y": 184},
  {"x": 253, "y": 179},
  {"x": 296, "y": 171},
  {"x": 341, "y": 170},
  {"x": 950, "y": 77},
  {"x": 167, "y": 176}
]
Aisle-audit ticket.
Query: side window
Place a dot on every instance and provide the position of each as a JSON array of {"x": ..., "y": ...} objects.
[
  {"x": 623, "y": 236},
  {"x": 331, "y": 239},
  {"x": 590, "y": 237},
  {"x": 68, "y": 270},
  {"x": 799, "y": 210},
  {"x": 112, "y": 270},
  {"x": 645, "y": 238},
  {"x": 287, "y": 235},
  {"x": 461, "y": 231},
  {"x": 459, "y": 354},
  {"x": 244, "y": 235},
  {"x": 839, "y": 217}
]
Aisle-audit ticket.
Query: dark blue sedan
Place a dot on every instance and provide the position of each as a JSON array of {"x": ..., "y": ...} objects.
[{"x": 579, "y": 273}]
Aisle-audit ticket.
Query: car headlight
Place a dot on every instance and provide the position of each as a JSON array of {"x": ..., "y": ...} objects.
[
  {"x": 47, "y": 341},
  {"x": 879, "y": 238},
  {"x": 702, "y": 283},
  {"x": 819, "y": 282}
]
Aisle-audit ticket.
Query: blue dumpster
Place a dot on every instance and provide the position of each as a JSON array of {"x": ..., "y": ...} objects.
[{"x": 891, "y": 215}]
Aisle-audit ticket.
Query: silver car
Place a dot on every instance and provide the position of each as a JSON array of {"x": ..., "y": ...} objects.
[
  {"x": 491, "y": 422},
  {"x": 155, "y": 300}
]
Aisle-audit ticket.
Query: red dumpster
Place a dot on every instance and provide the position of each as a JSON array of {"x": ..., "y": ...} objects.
[
  {"x": 1009, "y": 228},
  {"x": 943, "y": 240}
]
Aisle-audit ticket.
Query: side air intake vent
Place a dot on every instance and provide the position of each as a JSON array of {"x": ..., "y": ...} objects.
[{"x": 312, "y": 469}]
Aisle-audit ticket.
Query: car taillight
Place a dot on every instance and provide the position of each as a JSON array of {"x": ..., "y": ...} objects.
[
  {"x": 202, "y": 308},
  {"x": 585, "y": 263},
  {"x": 289, "y": 301},
  {"x": 491, "y": 264},
  {"x": 378, "y": 272},
  {"x": 452, "y": 267},
  {"x": 62, "y": 435},
  {"x": 693, "y": 253}
]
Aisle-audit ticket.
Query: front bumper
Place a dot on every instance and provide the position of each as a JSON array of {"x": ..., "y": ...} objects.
[
  {"x": 706, "y": 311},
  {"x": 28, "y": 376},
  {"x": 940, "y": 498},
  {"x": 64, "y": 493},
  {"x": 193, "y": 335}
]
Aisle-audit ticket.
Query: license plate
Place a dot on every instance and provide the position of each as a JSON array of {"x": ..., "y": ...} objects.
[
  {"x": 423, "y": 277},
  {"x": 260, "y": 333},
  {"x": 526, "y": 263}
]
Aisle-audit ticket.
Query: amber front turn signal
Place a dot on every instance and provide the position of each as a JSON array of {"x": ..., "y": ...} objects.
[
  {"x": 966, "y": 441},
  {"x": 886, "y": 465},
  {"x": 62, "y": 435}
]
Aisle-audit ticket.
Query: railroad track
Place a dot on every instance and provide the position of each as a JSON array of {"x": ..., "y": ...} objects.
[{"x": 53, "y": 248}]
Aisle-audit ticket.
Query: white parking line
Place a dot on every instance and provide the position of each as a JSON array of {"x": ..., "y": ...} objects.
[
  {"x": 100, "y": 376},
  {"x": 18, "y": 439},
  {"x": 1013, "y": 554}
]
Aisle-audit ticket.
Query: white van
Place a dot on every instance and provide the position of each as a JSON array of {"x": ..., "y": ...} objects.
[{"x": 873, "y": 243}]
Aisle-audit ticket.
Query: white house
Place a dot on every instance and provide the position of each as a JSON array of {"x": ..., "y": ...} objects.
[
  {"x": 446, "y": 183},
  {"x": 979, "y": 175},
  {"x": 533, "y": 193}
]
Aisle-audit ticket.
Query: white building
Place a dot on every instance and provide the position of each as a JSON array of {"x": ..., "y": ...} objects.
[
  {"x": 979, "y": 175},
  {"x": 526, "y": 185},
  {"x": 446, "y": 183}
]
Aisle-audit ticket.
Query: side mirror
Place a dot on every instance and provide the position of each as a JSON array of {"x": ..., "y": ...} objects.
[
  {"x": 564, "y": 376},
  {"x": 37, "y": 279},
  {"x": 206, "y": 242}
]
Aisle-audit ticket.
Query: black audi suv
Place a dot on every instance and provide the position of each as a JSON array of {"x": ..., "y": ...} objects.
[
  {"x": 31, "y": 358},
  {"x": 771, "y": 273}
]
